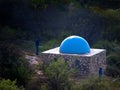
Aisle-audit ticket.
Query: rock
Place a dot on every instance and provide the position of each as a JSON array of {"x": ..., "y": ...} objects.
[{"x": 32, "y": 59}]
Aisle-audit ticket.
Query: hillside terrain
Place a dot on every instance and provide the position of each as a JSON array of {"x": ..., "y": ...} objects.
[{"x": 21, "y": 22}]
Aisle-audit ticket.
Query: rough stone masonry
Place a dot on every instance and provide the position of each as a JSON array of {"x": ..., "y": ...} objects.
[{"x": 86, "y": 64}]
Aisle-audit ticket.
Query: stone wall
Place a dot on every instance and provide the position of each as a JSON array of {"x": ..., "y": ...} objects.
[{"x": 86, "y": 65}]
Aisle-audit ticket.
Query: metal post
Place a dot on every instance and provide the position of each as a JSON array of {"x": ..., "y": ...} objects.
[
  {"x": 37, "y": 43},
  {"x": 100, "y": 72}
]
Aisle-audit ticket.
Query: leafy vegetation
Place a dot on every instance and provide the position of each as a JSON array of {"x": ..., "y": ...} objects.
[
  {"x": 11, "y": 34},
  {"x": 98, "y": 84},
  {"x": 108, "y": 13},
  {"x": 12, "y": 65},
  {"x": 9, "y": 85},
  {"x": 111, "y": 39},
  {"x": 58, "y": 73},
  {"x": 59, "y": 79},
  {"x": 113, "y": 58},
  {"x": 51, "y": 43},
  {"x": 83, "y": 3}
]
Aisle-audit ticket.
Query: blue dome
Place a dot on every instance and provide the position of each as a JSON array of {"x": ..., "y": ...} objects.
[{"x": 74, "y": 45}]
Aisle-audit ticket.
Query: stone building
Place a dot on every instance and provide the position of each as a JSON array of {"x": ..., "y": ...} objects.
[{"x": 78, "y": 53}]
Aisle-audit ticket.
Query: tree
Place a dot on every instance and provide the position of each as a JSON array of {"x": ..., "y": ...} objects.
[
  {"x": 13, "y": 65},
  {"x": 9, "y": 85},
  {"x": 58, "y": 73}
]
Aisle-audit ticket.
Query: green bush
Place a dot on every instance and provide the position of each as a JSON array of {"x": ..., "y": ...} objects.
[
  {"x": 11, "y": 34},
  {"x": 50, "y": 44},
  {"x": 95, "y": 83},
  {"x": 112, "y": 31},
  {"x": 113, "y": 68},
  {"x": 58, "y": 73},
  {"x": 7, "y": 33},
  {"x": 13, "y": 65},
  {"x": 44, "y": 87},
  {"x": 9, "y": 85},
  {"x": 109, "y": 13},
  {"x": 110, "y": 46},
  {"x": 113, "y": 56}
]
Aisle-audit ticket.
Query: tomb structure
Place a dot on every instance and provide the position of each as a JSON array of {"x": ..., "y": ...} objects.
[{"x": 78, "y": 53}]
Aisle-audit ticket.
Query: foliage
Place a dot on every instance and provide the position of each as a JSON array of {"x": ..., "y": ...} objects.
[
  {"x": 112, "y": 32},
  {"x": 111, "y": 40},
  {"x": 58, "y": 73},
  {"x": 110, "y": 46},
  {"x": 95, "y": 84},
  {"x": 9, "y": 85},
  {"x": 48, "y": 45},
  {"x": 98, "y": 84},
  {"x": 46, "y": 3},
  {"x": 109, "y": 13},
  {"x": 100, "y": 3},
  {"x": 44, "y": 87},
  {"x": 52, "y": 43},
  {"x": 113, "y": 56},
  {"x": 8, "y": 33},
  {"x": 113, "y": 68},
  {"x": 42, "y": 3},
  {"x": 13, "y": 65}
]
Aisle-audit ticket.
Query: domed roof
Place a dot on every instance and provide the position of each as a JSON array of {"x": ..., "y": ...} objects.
[{"x": 74, "y": 45}]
